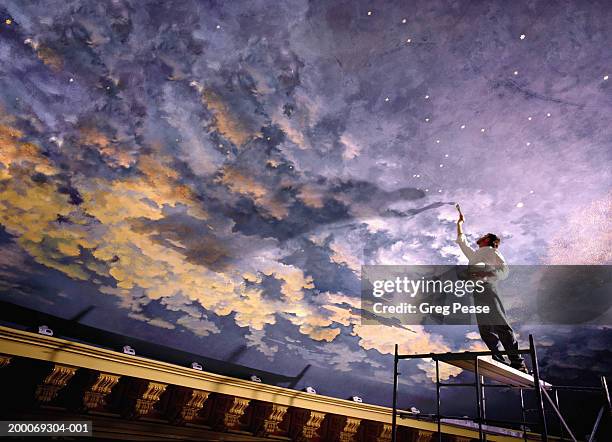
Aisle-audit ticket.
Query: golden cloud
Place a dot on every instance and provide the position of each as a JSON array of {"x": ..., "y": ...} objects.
[
  {"x": 228, "y": 124},
  {"x": 383, "y": 339},
  {"x": 50, "y": 58},
  {"x": 17, "y": 154},
  {"x": 241, "y": 184},
  {"x": 343, "y": 255},
  {"x": 351, "y": 148},
  {"x": 112, "y": 154},
  {"x": 104, "y": 226},
  {"x": 312, "y": 196}
]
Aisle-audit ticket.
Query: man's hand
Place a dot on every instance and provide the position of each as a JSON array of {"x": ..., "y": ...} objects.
[{"x": 460, "y": 224}]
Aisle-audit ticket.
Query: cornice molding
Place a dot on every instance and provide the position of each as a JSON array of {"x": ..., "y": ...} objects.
[{"x": 14, "y": 342}]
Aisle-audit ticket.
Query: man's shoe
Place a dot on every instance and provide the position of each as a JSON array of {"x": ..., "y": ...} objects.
[
  {"x": 499, "y": 358},
  {"x": 520, "y": 367}
]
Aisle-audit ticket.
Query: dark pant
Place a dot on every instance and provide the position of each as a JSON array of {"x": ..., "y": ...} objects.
[
  {"x": 494, "y": 328},
  {"x": 492, "y": 335}
]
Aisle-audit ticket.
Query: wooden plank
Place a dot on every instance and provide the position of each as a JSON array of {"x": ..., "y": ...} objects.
[{"x": 497, "y": 371}]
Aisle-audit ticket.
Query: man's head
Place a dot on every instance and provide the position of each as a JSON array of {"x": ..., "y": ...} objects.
[{"x": 490, "y": 239}]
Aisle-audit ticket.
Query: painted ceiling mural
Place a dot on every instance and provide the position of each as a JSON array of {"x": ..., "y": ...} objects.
[{"x": 212, "y": 175}]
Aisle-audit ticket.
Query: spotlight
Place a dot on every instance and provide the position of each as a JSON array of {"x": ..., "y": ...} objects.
[
  {"x": 196, "y": 366},
  {"x": 129, "y": 350},
  {"x": 310, "y": 390},
  {"x": 357, "y": 399},
  {"x": 44, "y": 330},
  {"x": 255, "y": 378}
]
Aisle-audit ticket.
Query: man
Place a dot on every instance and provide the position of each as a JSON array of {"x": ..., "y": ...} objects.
[{"x": 493, "y": 327}]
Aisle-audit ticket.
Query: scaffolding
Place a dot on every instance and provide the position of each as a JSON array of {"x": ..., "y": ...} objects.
[{"x": 483, "y": 366}]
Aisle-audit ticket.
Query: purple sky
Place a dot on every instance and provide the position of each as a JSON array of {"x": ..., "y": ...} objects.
[{"x": 219, "y": 171}]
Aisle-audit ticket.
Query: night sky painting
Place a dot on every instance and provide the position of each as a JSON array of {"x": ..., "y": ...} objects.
[{"x": 211, "y": 176}]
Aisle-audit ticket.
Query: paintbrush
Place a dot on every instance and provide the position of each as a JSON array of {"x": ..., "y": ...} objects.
[{"x": 458, "y": 208}]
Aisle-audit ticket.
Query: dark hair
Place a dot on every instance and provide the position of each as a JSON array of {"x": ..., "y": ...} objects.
[{"x": 494, "y": 240}]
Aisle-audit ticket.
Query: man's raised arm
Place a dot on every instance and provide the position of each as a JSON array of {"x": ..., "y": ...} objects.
[{"x": 462, "y": 240}]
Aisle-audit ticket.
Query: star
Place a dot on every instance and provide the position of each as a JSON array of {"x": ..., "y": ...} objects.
[
  {"x": 446, "y": 156},
  {"x": 438, "y": 141},
  {"x": 529, "y": 118},
  {"x": 71, "y": 80},
  {"x": 427, "y": 97},
  {"x": 441, "y": 165},
  {"x": 218, "y": 26},
  {"x": 426, "y": 190},
  {"x": 404, "y": 20},
  {"x": 439, "y": 190},
  {"x": 427, "y": 120},
  {"x": 268, "y": 138},
  {"x": 531, "y": 191},
  {"x": 369, "y": 12},
  {"x": 8, "y": 21},
  {"x": 463, "y": 126},
  {"x": 548, "y": 114},
  {"x": 386, "y": 98},
  {"x": 522, "y": 37},
  {"x": 418, "y": 176},
  {"x": 519, "y": 204},
  {"x": 409, "y": 40},
  {"x": 528, "y": 143},
  {"x": 515, "y": 72},
  {"x": 606, "y": 77},
  {"x": 482, "y": 130}
]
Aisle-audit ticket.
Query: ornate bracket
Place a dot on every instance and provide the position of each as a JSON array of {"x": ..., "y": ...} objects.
[
  {"x": 227, "y": 412},
  {"x": 5, "y": 360},
  {"x": 54, "y": 382},
  {"x": 95, "y": 396},
  {"x": 305, "y": 423},
  {"x": 142, "y": 398},
  {"x": 187, "y": 404},
  {"x": 343, "y": 428},
  {"x": 423, "y": 436},
  {"x": 377, "y": 431},
  {"x": 267, "y": 418}
]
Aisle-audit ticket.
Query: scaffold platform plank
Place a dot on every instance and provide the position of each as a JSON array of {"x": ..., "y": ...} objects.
[{"x": 494, "y": 370}]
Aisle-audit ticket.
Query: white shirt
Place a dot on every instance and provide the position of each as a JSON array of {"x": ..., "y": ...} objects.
[{"x": 488, "y": 255}]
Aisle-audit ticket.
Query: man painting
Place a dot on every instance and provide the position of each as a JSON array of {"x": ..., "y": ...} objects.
[{"x": 488, "y": 264}]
